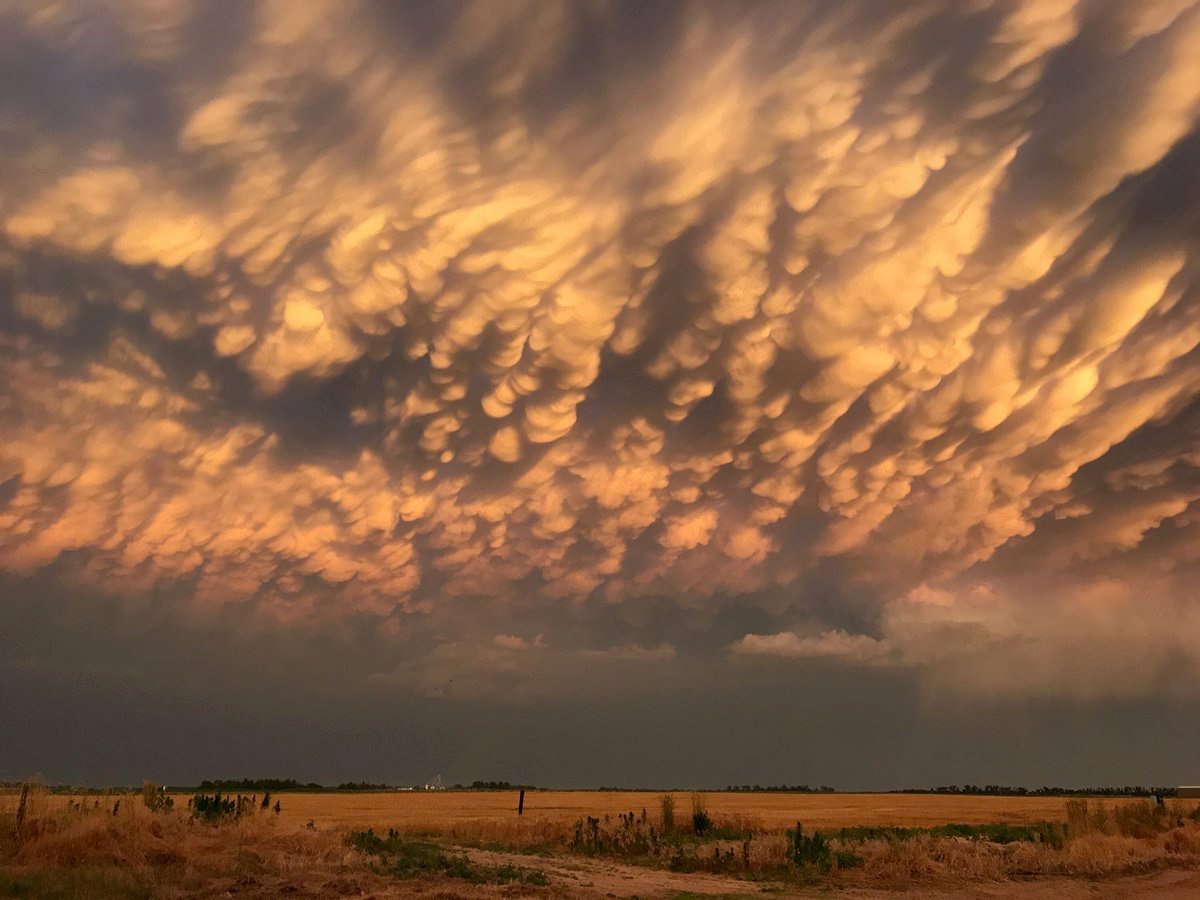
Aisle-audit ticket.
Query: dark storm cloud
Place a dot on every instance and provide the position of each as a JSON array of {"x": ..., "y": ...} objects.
[{"x": 88, "y": 698}]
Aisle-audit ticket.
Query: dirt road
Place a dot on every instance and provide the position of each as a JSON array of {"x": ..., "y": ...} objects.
[{"x": 585, "y": 878}]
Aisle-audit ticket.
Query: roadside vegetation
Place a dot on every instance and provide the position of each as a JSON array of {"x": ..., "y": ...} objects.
[
  {"x": 129, "y": 845},
  {"x": 1093, "y": 839}
]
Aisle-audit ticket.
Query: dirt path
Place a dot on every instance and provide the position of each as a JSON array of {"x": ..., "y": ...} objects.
[
  {"x": 590, "y": 877},
  {"x": 1175, "y": 884},
  {"x": 587, "y": 877}
]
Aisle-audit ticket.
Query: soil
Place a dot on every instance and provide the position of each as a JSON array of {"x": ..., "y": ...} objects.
[{"x": 585, "y": 878}]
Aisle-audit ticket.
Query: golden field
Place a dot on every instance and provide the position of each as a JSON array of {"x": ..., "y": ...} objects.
[
  {"x": 475, "y": 811},
  {"x": 472, "y": 844},
  {"x": 439, "y": 810}
]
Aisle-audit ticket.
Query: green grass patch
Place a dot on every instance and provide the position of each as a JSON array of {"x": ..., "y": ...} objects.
[
  {"x": 73, "y": 884},
  {"x": 847, "y": 859},
  {"x": 510, "y": 874},
  {"x": 403, "y": 857}
]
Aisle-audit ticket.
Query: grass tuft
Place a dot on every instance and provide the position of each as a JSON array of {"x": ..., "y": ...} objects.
[{"x": 403, "y": 857}]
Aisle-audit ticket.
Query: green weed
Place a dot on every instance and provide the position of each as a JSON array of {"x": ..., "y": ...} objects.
[
  {"x": 809, "y": 851},
  {"x": 73, "y": 884},
  {"x": 406, "y": 858}
]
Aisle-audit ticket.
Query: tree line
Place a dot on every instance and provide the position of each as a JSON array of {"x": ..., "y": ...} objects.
[{"x": 1044, "y": 791}]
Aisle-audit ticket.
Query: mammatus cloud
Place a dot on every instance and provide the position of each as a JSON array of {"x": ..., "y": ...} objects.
[{"x": 360, "y": 314}]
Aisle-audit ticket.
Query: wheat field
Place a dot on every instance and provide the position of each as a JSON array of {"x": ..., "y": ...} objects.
[{"x": 440, "y": 810}]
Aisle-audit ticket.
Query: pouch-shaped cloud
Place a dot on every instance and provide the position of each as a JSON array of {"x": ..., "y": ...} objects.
[{"x": 348, "y": 313}]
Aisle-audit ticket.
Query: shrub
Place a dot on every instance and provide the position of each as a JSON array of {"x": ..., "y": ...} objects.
[
  {"x": 630, "y": 839},
  {"x": 666, "y": 805},
  {"x": 155, "y": 798},
  {"x": 809, "y": 851},
  {"x": 682, "y": 861},
  {"x": 701, "y": 822},
  {"x": 217, "y": 807}
]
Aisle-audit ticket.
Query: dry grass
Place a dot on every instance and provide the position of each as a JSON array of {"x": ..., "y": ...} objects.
[
  {"x": 88, "y": 851},
  {"x": 69, "y": 851},
  {"x": 947, "y": 860},
  {"x": 516, "y": 833},
  {"x": 1102, "y": 840},
  {"x": 85, "y": 851},
  {"x": 133, "y": 837}
]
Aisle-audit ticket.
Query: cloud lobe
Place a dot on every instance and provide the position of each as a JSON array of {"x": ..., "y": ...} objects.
[{"x": 373, "y": 315}]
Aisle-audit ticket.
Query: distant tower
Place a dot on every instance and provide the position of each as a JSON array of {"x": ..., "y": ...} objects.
[{"x": 436, "y": 784}]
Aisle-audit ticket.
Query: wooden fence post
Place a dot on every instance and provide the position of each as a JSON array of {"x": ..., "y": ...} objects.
[
  {"x": 21, "y": 808},
  {"x": 521, "y": 803}
]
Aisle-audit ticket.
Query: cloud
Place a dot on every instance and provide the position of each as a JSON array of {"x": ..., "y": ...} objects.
[
  {"x": 369, "y": 314},
  {"x": 1096, "y": 642},
  {"x": 631, "y": 653},
  {"x": 516, "y": 642},
  {"x": 518, "y": 670},
  {"x": 835, "y": 644}
]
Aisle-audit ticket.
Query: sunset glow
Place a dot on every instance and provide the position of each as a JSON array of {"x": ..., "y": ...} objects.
[{"x": 538, "y": 352}]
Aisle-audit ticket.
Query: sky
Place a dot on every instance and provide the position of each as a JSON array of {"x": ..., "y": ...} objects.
[{"x": 644, "y": 394}]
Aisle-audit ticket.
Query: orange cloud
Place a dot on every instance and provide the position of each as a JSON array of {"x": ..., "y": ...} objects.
[{"x": 333, "y": 331}]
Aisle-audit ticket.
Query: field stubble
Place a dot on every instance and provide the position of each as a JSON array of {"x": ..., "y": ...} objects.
[{"x": 477, "y": 810}]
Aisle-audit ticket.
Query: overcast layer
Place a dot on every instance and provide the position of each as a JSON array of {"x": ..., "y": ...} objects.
[{"x": 632, "y": 357}]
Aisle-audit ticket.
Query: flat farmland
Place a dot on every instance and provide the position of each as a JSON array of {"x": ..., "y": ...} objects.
[
  {"x": 476, "y": 842},
  {"x": 441, "y": 811}
]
